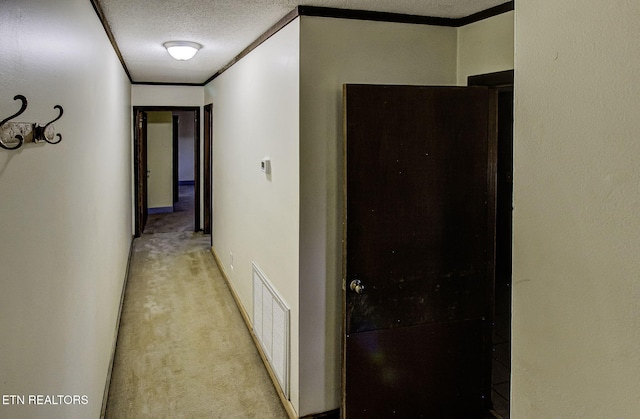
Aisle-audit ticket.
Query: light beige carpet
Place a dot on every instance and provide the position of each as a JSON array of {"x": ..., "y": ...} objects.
[{"x": 183, "y": 350}]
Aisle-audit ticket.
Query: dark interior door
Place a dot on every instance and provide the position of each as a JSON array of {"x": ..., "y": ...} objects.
[
  {"x": 141, "y": 172},
  {"x": 420, "y": 222}
]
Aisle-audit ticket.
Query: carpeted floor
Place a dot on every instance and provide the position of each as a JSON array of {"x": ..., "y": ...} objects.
[{"x": 183, "y": 349}]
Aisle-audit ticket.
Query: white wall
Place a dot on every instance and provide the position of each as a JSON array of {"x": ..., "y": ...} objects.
[
  {"x": 159, "y": 95},
  {"x": 485, "y": 46},
  {"x": 255, "y": 216},
  {"x": 160, "y": 159},
  {"x": 576, "y": 269},
  {"x": 65, "y": 224}
]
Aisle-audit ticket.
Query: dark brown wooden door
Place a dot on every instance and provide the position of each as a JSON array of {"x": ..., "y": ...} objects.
[
  {"x": 140, "y": 162},
  {"x": 420, "y": 216}
]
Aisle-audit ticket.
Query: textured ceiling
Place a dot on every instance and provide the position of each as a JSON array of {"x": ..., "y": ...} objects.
[{"x": 226, "y": 27}]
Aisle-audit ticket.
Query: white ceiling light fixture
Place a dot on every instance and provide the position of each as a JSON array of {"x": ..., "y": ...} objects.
[{"x": 182, "y": 50}]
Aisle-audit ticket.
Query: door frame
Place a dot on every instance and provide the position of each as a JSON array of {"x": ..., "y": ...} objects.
[
  {"x": 498, "y": 82},
  {"x": 140, "y": 171},
  {"x": 208, "y": 162},
  {"x": 175, "y": 134},
  {"x": 137, "y": 161}
]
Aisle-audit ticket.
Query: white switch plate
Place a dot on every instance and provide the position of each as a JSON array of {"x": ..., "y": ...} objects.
[{"x": 265, "y": 165}]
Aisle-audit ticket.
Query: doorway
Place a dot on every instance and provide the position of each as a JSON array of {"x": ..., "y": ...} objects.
[
  {"x": 501, "y": 84},
  {"x": 141, "y": 166}
]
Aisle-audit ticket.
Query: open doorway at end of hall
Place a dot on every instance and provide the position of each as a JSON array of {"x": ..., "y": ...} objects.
[
  {"x": 167, "y": 170},
  {"x": 501, "y": 83}
]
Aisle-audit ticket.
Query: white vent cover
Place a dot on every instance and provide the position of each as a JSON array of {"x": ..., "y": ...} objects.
[{"x": 271, "y": 326}]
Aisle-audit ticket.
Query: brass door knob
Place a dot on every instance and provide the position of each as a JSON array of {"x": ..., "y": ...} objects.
[{"x": 357, "y": 286}]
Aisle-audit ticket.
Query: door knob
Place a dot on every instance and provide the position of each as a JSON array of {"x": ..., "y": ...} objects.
[{"x": 357, "y": 286}]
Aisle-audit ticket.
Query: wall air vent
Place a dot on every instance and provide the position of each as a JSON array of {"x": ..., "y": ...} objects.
[{"x": 271, "y": 326}]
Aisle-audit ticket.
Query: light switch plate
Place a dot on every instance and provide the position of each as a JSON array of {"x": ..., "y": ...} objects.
[{"x": 265, "y": 165}]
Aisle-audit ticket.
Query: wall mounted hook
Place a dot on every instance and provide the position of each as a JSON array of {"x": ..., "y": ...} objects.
[
  {"x": 40, "y": 132},
  {"x": 25, "y": 132},
  {"x": 19, "y": 137}
]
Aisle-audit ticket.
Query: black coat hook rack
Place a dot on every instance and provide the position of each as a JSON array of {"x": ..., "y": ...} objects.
[{"x": 14, "y": 135}]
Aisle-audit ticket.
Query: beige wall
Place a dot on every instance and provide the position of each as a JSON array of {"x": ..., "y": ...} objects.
[
  {"x": 485, "y": 46},
  {"x": 255, "y": 215},
  {"x": 333, "y": 52},
  {"x": 65, "y": 224},
  {"x": 576, "y": 292},
  {"x": 186, "y": 131},
  {"x": 160, "y": 159}
]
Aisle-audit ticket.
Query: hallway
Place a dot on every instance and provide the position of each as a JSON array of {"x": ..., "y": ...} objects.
[{"x": 183, "y": 349}]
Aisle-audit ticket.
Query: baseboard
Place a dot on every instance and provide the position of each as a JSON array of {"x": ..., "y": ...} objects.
[
  {"x": 105, "y": 396},
  {"x": 286, "y": 403},
  {"x": 159, "y": 210}
]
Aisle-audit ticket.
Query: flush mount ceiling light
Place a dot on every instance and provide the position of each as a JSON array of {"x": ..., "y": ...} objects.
[{"x": 182, "y": 50}]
